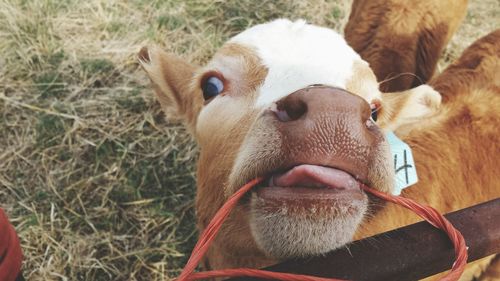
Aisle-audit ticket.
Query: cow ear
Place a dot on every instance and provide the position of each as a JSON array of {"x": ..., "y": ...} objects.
[
  {"x": 411, "y": 106},
  {"x": 172, "y": 79}
]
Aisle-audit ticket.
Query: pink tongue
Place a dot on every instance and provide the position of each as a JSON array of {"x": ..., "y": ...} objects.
[{"x": 314, "y": 176}]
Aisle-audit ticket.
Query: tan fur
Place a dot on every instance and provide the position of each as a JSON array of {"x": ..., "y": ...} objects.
[
  {"x": 239, "y": 61},
  {"x": 400, "y": 109},
  {"x": 171, "y": 77},
  {"x": 448, "y": 158},
  {"x": 220, "y": 130},
  {"x": 363, "y": 82},
  {"x": 402, "y": 39},
  {"x": 491, "y": 272},
  {"x": 454, "y": 153},
  {"x": 397, "y": 109}
]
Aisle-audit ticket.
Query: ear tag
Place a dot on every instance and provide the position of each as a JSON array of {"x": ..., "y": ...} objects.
[{"x": 404, "y": 166}]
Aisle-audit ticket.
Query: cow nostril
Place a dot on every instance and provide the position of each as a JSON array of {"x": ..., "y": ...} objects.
[
  {"x": 290, "y": 109},
  {"x": 282, "y": 115}
]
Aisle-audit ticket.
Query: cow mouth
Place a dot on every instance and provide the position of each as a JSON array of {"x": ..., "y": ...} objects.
[{"x": 310, "y": 184}]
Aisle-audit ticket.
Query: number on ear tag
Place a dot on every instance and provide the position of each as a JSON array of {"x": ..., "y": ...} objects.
[{"x": 404, "y": 166}]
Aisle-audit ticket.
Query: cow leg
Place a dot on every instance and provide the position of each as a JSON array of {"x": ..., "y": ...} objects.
[{"x": 402, "y": 39}]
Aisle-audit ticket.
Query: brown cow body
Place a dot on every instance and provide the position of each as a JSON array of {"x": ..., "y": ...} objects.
[
  {"x": 454, "y": 150},
  {"x": 402, "y": 40},
  {"x": 243, "y": 133}
]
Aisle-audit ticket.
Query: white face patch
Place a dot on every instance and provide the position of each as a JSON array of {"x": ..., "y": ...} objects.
[{"x": 297, "y": 55}]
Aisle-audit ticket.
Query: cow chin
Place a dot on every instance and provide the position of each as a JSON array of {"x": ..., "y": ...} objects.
[{"x": 283, "y": 232}]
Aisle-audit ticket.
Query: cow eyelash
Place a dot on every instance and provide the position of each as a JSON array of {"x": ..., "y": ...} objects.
[{"x": 375, "y": 107}]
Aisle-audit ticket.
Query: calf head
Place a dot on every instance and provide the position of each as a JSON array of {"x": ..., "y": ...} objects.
[{"x": 293, "y": 103}]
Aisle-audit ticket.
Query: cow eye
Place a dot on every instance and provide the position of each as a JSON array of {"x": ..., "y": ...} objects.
[
  {"x": 212, "y": 86},
  {"x": 374, "y": 107}
]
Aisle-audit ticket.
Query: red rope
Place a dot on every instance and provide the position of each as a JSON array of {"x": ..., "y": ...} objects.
[
  {"x": 428, "y": 213},
  {"x": 10, "y": 250}
]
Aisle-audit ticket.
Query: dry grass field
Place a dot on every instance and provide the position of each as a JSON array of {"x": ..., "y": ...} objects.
[{"x": 98, "y": 184}]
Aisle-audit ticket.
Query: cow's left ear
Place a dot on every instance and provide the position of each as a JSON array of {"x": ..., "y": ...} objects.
[
  {"x": 172, "y": 79},
  {"x": 403, "y": 108}
]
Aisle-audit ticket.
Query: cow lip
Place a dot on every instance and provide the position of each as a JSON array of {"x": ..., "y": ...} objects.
[{"x": 308, "y": 182}]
